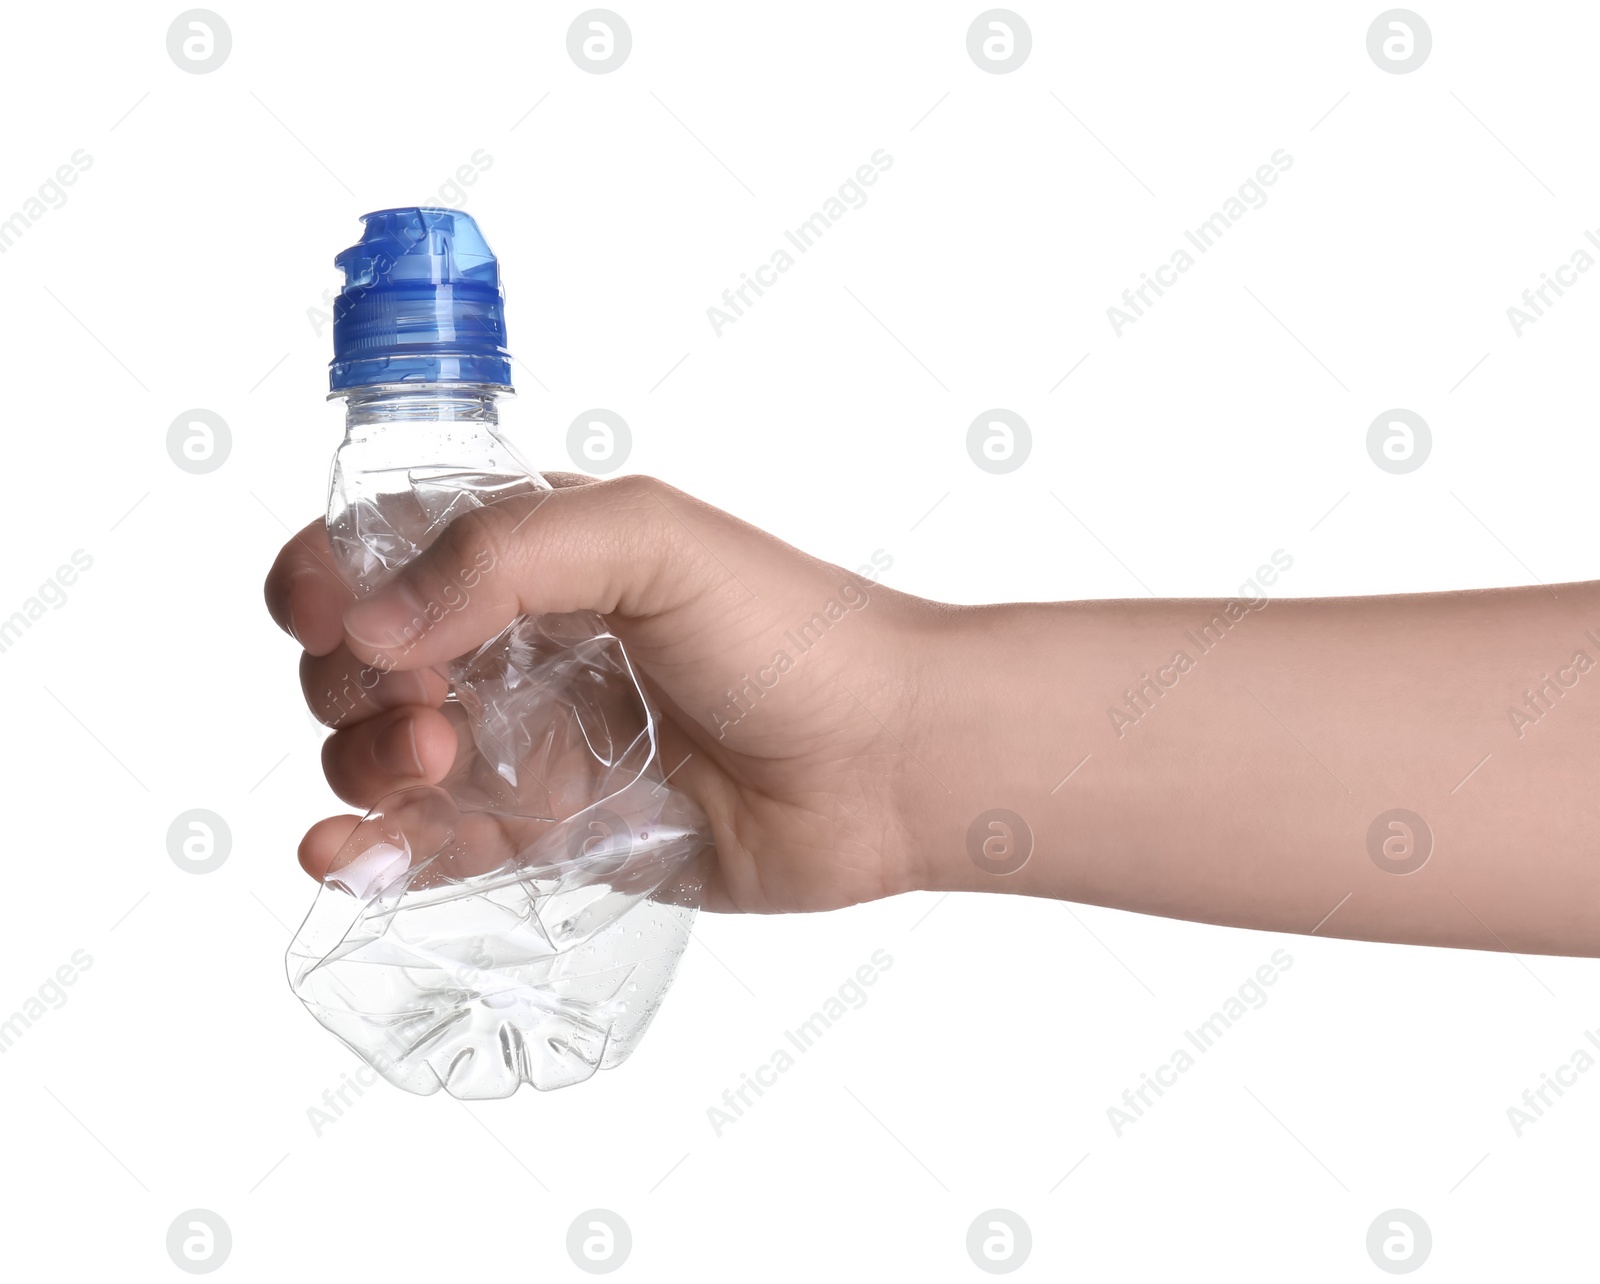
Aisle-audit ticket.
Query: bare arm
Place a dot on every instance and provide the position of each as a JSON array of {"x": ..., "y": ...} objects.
[{"x": 1417, "y": 769}]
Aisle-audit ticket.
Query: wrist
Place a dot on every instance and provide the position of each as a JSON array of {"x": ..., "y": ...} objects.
[{"x": 974, "y": 801}]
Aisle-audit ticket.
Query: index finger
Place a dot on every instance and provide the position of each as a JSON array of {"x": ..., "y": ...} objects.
[{"x": 305, "y": 595}]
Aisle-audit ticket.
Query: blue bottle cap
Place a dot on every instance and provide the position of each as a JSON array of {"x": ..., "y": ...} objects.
[{"x": 421, "y": 304}]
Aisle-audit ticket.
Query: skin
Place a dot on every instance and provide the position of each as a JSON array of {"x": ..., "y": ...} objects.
[{"x": 1246, "y": 791}]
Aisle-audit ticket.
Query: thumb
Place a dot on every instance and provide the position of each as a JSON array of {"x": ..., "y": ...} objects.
[{"x": 618, "y": 547}]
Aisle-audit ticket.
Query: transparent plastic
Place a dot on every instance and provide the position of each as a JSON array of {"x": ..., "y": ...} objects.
[{"x": 520, "y": 922}]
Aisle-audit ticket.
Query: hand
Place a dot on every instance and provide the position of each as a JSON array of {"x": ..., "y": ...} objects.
[
  {"x": 849, "y": 742},
  {"x": 782, "y": 680}
]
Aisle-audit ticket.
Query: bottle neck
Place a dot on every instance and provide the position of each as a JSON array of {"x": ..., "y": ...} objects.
[{"x": 380, "y": 404}]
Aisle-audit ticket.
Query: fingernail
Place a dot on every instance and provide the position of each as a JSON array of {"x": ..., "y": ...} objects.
[
  {"x": 403, "y": 686},
  {"x": 395, "y": 749},
  {"x": 372, "y": 871},
  {"x": 391, "y": 618}
]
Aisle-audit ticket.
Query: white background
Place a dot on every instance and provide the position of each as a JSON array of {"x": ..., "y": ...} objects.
[{"x": 184, "y": 270}]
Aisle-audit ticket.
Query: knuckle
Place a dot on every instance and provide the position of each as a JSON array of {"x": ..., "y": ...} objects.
[
  {"x": 642, "y": 513},
  {"x": 337, "y": 693},
  {"x": 279, "y": 588},
  {"x": 479, "y": 540},
  {"x": 567, "y": 481},
  {"x": 346, "y": 759},
  {"x": 639, "y": 488},
  {"x": 458, "y": 570},
  {"x": 335, "y": 766}
]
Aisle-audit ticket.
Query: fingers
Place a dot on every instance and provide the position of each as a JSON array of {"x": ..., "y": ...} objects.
[
  {"x": 340, "y": 690},
  {"x": 616, "y": 547},
  {"x": 389, "y": 751},
  {"x": 416, "y": 827},
  {"x": 305, "y": 595},
  {"x": 322, "y": 843}
]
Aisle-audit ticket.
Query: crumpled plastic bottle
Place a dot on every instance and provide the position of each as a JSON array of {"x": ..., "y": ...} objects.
[{"x": 521, "y": 921}]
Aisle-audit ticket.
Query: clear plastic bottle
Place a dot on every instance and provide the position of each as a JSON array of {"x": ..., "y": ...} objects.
[{"x": 521, "y": 921}]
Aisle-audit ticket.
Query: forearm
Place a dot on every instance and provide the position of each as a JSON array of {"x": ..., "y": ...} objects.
[{"x": 1172, "y": 760}]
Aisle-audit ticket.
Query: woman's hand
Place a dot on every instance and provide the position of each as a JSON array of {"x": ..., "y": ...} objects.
[{"x": 784, "y": 683}]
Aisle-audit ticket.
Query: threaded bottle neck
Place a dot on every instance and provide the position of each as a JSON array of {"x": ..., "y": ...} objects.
[{"x": 421, "y": 403}]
